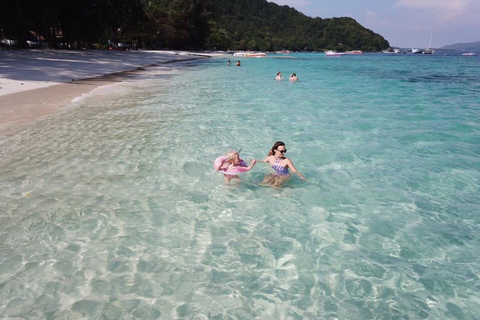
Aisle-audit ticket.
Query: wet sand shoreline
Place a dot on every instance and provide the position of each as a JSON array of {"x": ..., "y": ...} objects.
[{"x": 22, "y": 108}]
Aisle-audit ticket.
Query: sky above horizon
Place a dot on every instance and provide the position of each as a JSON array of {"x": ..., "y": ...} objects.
[{"x": 404, "y": 23}]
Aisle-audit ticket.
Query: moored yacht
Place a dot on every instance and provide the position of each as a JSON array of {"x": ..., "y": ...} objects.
[{"x": 429, "y": 50}]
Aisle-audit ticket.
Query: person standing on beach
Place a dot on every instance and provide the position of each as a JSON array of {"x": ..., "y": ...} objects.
[
  {"x": 279, "y": 76},
  {"x": 293, "y": 77},
  {"x": 281, "y": 165},
  {"x": 238, "y": 63}
]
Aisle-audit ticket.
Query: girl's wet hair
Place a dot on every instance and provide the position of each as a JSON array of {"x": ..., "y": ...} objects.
[
  {"x": 275, "y": 146},
  {"x": 231, "y": 154}
]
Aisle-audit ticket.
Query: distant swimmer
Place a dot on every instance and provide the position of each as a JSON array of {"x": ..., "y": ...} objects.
[
  {"x": 293, "y": 77},
  {"x": 280, "y": 165},
  {"x": 238, "y": 63},
  {"x": 279, "y": 76},
  {"x": 228, "y": 63},
  {"x": 231, "y": 165}
]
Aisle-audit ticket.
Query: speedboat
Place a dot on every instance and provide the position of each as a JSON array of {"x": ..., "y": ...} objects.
[
  {"x": 392, "y": 51},
  {"x": 255, "y": 54},
  {"x": 469, "y": 54},
  {"x": 354, "y": 52},
  {"x": 334, "y": 53}
]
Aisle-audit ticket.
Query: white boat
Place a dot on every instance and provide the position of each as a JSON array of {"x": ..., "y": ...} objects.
[
  {"x": 429, "y": 50},
  {"x": 334, "y": 53},
  {"x": 354, "y": 52},
  {"x": 249, "y": 54},
  {"x": 469, "y": 54},
  {"x": 255, "y": 54},
  {"x": 415, "y": 50},
  {"x": 392, "y": 51}
]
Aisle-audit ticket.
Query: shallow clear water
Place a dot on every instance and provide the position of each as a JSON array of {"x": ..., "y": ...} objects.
[{"x": 111, "y": 209}]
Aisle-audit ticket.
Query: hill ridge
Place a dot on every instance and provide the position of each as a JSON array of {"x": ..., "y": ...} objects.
[{"x": 463, "y": 46}]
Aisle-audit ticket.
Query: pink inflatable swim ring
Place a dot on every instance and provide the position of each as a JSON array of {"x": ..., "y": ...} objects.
[{"x": 231, "y": 170}]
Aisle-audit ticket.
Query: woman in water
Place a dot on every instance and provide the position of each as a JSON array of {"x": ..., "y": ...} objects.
[
  {"x": 293, "y": 77},
  {"x": 280, "y": 164},
  {"x": 279, "y": 76},
  {"x": 232, "y": 165}
]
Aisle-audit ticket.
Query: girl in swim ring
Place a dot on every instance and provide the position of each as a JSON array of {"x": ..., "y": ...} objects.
[
  {"x": 231, "y": 165},
  {"x": 280, "y": 164}
]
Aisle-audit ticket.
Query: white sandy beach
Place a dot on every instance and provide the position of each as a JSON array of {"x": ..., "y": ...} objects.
[{"x": 35, "y": 83}]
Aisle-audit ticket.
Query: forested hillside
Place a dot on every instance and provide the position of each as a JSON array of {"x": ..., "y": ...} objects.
[
  {"x": 260, "y": 25},
  {"x": 180, "y": 24}
]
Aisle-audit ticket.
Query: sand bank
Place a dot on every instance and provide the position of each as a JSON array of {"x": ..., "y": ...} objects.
[{"x": 35, "y": 83}]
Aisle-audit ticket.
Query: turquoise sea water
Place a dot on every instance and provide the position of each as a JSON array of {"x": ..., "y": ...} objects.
[{"x": 111, "y": 209}]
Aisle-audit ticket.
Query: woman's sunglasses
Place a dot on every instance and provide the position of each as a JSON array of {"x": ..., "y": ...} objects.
[{"x": 282, "y": 151}]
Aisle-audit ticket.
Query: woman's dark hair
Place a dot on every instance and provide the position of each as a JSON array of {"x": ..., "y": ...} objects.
[{"x": 275, "y": 146}]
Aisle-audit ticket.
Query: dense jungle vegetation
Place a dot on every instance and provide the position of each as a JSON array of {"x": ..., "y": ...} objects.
[{"x": 179, "y": 24}]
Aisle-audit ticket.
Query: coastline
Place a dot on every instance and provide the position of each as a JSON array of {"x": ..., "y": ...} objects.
[{"x": 37, "y": 83}]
